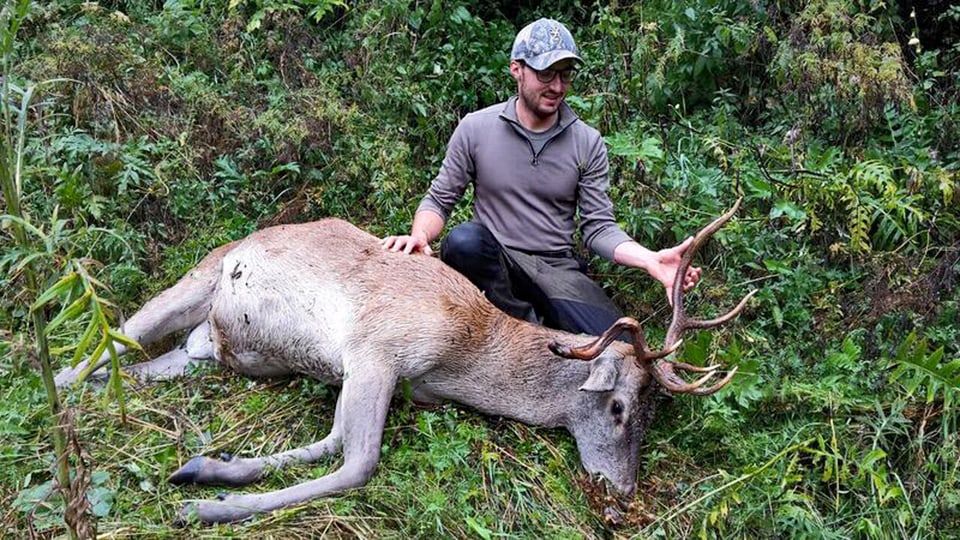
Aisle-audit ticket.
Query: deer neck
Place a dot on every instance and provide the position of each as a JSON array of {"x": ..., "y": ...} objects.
[{"x": 512, "y": 373}]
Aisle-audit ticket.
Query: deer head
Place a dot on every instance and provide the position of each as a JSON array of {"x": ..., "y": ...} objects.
[
  {"x": 620, "y": 376},
  {"x": 611, "y": 417}
]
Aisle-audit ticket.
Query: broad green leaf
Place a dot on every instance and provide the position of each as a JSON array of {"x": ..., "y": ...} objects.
[{"x": 872, "y": 457}]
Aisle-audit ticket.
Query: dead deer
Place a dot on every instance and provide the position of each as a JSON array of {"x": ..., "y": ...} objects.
[{"x": 322, "y": 299}]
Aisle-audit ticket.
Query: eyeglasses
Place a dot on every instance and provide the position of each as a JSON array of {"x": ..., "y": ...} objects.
[{"x": 546, "y": 76}]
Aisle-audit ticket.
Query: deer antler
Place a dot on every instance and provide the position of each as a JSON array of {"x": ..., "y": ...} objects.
[
  {"x": 664, "y": 371},
  {"x": 593, "y": 350},
  {"x": 680, "y": 322}
]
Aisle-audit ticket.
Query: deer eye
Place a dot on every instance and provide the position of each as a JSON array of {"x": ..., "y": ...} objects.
[{"x": 616, "y": 408}]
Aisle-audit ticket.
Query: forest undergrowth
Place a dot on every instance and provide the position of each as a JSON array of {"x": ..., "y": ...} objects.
[{"x": 137, "y": 136}]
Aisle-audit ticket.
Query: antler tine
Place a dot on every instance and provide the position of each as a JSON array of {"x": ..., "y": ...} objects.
[
  {"x": 680, "y": 323},
  {"x": 695, "y": 369},
  {"x": 665, "y": 375},
  {"x": 710, "y": 323},
  {"x": 593, "y": 350},
  {"x": 713, "y": 389}
]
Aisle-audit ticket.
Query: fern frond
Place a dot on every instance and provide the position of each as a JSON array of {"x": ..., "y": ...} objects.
[
  {"x": 858, "y": 223},
  {"x": 946, "y": 181},
  {"x": 916, "y": 368}
]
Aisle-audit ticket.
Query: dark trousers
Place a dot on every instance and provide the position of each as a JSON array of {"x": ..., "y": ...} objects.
[{"x": 546, "y": 288}]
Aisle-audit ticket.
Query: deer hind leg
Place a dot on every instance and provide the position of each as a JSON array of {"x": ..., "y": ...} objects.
[
  {"x": 197, "y": 348},
  {"x": 358, "y": 425},
  {"x": 183, "y": 306}
]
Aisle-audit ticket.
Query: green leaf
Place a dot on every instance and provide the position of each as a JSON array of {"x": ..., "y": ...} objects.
[
  {"x": 256, "y": 20},
  {"x": 697, "y": 348},
  {"x": 926, "y": 370},
  {"x": 482, "y": 531},
  {"x": 71, "y": 312},
  {"x": 651, "y": 149},
  {"x": 88, "y": 280},
  {"x": 87, "y": 338},
  {"x": 28, "y": 499},
  {"x": 101, "y": 500},
  {"x": 26, "y": 260},
  {"x": 777, "y": 314},
  {"x": 61, "y": 287},
  {"x": 791, "y": 211},
  {"x": 121, "y": 338},
  {"x": 94, "y": 358},
  {"x": 872, "y": 457},
  {"x": 460, "y": 15}
]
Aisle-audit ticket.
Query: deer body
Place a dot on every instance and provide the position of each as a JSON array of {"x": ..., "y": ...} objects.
[
  {"x": 300, "y": 299},
  {"x": 324, "y": 300}
]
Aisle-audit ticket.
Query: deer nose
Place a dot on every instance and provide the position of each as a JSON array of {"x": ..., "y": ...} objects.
[{"x": 623, "y": 490}]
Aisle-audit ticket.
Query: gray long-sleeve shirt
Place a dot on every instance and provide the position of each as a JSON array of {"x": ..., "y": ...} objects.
[{"x": 528, "y": 200}]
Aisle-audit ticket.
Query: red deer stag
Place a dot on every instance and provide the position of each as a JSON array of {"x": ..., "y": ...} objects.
[{"x": 324, "y": 300}]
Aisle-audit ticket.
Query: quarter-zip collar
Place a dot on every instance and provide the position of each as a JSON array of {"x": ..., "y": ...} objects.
[{"x": 565, "y": 118}]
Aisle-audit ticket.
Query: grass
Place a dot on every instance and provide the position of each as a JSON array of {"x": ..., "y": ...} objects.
[
  {"x": 444, "y": 472},
  {"x": 816, "y": 455}
]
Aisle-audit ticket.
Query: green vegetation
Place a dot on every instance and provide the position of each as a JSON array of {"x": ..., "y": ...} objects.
[{"x": 139, "y": 135}]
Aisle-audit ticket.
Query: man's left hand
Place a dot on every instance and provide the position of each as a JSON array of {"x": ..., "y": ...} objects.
[{"x": 669, "y": 262}]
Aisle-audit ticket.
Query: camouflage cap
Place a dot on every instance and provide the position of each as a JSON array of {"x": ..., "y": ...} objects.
[{"x": 543, "y": 43}]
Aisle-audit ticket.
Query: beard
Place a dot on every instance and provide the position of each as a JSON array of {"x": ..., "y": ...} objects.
[{"x": 541, "y": 103}]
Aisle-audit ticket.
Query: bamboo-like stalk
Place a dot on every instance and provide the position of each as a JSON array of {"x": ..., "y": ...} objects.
[{"x": 10, "y": 164}]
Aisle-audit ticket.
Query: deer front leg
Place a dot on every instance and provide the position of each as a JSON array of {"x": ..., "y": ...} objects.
[
  {"x": 169, "y": 365},
  {"x": 361, "y": 414}
]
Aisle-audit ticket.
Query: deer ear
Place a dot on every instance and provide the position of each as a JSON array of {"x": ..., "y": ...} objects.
[{"x": 603, "y": 374}]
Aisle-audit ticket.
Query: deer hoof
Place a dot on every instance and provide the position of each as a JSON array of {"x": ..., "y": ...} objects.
[
  {"x": 189, "y": 473},
  {"x": 186, "y": 516},
  {"x": 226, "y": 510}
]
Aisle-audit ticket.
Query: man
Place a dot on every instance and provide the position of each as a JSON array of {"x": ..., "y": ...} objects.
[{"x": 534, "y": 165}]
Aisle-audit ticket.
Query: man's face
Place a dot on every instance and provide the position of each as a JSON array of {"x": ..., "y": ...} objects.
[{"x": 542, "y": 99}]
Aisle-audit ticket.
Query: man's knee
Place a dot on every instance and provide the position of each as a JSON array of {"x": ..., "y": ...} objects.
[
  {"x": 468, "y": 244},
  {"x": 583, "y": 317}
]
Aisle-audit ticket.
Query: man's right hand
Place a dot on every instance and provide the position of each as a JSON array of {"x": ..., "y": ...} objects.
[
  {"x": 427, "y": 224},
  {"x": 412, "y": 243}
]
